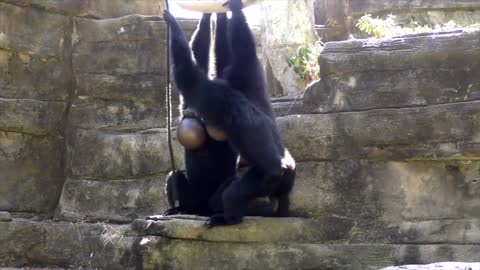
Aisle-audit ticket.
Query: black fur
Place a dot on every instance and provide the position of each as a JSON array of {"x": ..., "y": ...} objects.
[
  {"x": 222, "y": 48},
  {"x": 246, "y": 74},
  {"x": 238, "y": 106},
  {"x": 208, "y": 167}
]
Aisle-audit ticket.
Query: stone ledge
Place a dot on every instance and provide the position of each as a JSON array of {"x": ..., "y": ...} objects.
[
  {"x": 107, "y": 246},
  {"x": 447, "y": 131},
  {"x": 252, "y": 230},
  {"x": 409, "y": 71},
  {"x": 383, "y": 194}
]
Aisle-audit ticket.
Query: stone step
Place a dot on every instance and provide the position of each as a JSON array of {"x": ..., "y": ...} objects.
[
  {"x": 408, "y": 71},
  {"x": 253, "y": 230},
  {"x": 180, "y": 243},
  {"x": 436, "y": 132}
]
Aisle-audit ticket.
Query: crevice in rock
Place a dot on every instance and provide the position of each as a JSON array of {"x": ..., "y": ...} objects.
[
  {"x": 64, "y": 128},
  {"x": 403, "y": 107}
]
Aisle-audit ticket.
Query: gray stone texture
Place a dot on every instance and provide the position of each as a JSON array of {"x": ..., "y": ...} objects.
[
  {"x": 117, "y": 151},
  {"x": 117, "y": 201},
  {"x": 97, "y": 9},
  {"x": 109, "y": 156},
  {"x": 29, "y": 243},
  {"x": 82, "y": 98},
  {"x": 108, "y": 246},
  {"x": 34, "y": 82},
  {"x": 401, "y": 72},
  {"x": 448, "y": 131}
]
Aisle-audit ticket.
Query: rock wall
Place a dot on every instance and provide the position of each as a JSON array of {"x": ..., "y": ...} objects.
[
  {"x": 340, "y": 17},
  {"x": 394, "y": 138},
  {"x": 387, "y": 151},
  {"x": 83, "y": 108}
]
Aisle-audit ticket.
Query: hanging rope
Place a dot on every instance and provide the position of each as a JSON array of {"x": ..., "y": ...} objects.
[{"x": 168, "y": 98}]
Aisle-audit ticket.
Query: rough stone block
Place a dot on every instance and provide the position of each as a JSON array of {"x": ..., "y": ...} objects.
[
  {"x": 145, "y": 88},
  {"x": 106, "y": 246},
  {"x": 120, "y": 57},
  {"x": 32, "y": 173},
  {"x": 102, "y": 156},
  {"x": 32, "y": 31},
  {"x": 383, "y": 195},
  {"x": 449, "y": 131},
  {"x": 72, "y": 246},
  {"x": 31, "y": 76},
  {"x": 401, "y": 72},
  {"x": 31, "y": 154},
  {"x": 128, "y": 28},
  {"x": 116, "y": 115},
  {"x": 132, "y": 44},
  {"x": 119, "y": 65},
  {"x": 31, "y": 116},
  {"x": 116, "y": 200},
  {"x": 462, "y": 231},
  {"x": 181, "y": 254},
  {"x": 427, "y": 254},
  {"x": 98, "y": 9},
  {"x": 134, "y": 89}
]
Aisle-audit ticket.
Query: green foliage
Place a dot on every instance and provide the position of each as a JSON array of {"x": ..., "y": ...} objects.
[
  {"x": 305, "y": 62},
  {"x": 386, "y": 28}
]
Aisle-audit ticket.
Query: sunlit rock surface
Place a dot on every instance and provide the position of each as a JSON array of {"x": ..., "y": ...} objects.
[{"x": 286, "y": 25}]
